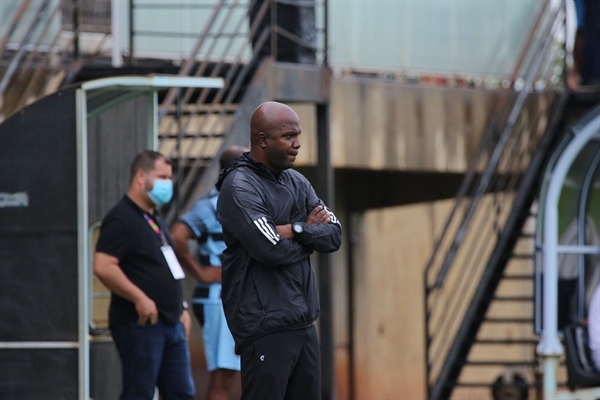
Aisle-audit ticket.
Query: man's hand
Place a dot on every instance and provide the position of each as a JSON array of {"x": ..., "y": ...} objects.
[
  {"x": 107, "y": 269},
  {"x": 181, "y": 233},
  {"x": 319, "y": 215},
  {"x": 285, "y": 231},
  {"x": 147, "y": 311},
  {"x": 186, "y": 320},
  {"x": 209, "y": 274}
]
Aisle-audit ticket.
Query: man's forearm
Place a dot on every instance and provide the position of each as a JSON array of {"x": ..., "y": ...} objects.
[
  {"x": 188, "y": 263},
  {"x": 113, "y": 277},
  {"x": 285, "y": 231}
]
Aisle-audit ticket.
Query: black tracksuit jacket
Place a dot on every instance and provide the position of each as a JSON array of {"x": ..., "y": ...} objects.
[{"x": 268, "y": 281}]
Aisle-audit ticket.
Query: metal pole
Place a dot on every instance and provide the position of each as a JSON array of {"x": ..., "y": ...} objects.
[
  {"x": 14, "y": 24},
  {"x": 273, "y": 28},
  {"x": 76, "y": 29},
  {"x": 115, "y": 19},
  {"x": 83, "y": 251},
  {"x": 14, "y": 64},
  {"x": 131, "y": 32},
  {"x": 325, "y": 186},
  {"x": 326, "y": 33},
  {"x": 180, "y": 166}
]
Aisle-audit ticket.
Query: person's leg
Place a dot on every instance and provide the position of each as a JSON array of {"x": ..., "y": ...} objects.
[
  {"x": 175, "y": 374},
  {"x": 222, "y": 362},
  {"x": 305, "y": 380},
  {"x": 140, "y": 350},
  {"x": 267, "y": 364},
  {"x": 220, "y": 382},
  {"x": 198, "y": 298}
]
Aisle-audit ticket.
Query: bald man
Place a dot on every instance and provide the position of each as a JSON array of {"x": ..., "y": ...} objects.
[
  {"x": 272, "y": 222},
  {"x": 200, "y": 224}
]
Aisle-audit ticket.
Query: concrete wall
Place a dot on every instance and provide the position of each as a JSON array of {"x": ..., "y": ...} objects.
[
  {"x": 390, "y": 250},
  {"x": 377, "y": 124}
]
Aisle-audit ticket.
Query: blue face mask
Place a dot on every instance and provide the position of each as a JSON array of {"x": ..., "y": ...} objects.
[{"x": 162, "y": 192}]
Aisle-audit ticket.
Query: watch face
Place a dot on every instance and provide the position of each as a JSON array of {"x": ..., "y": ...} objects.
[{"x": 297, "y": 228}]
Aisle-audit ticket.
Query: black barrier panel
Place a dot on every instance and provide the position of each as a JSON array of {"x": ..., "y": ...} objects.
[
  {"x": 38, "y": 222},
  {"x": 38, "y": 287},
  {"x": 37, "y": 374}
]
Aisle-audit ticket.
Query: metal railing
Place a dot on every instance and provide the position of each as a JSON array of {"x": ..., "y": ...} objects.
[
  {"x": 39, "y": 57},
  {"x": 487, "y": 196}
]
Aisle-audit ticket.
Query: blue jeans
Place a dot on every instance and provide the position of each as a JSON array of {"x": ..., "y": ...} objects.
[{"x": 154, "y": 356}]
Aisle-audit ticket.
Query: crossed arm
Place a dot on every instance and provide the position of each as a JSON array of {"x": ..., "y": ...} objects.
[{"x": 319, "y": 215}]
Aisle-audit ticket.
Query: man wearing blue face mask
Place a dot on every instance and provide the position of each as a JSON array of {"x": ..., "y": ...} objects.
[{"x": 135, "y": 259}]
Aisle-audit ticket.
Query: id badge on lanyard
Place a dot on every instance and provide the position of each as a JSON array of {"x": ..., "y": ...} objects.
[{"x": 167, "y": 250}]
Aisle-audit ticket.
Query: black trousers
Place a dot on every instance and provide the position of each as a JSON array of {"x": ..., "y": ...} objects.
[{"x": 282, "y": 366}]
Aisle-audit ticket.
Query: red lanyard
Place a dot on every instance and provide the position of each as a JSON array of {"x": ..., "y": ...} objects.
[{"x": 156, "y": 229}]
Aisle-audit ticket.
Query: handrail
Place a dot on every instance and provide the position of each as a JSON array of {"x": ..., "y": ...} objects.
[
  {"x": 39, "y": 43},
  {"x": 39, "y": 18},
  {"x": 489, "y": 132},
  {"x": 14, "y": 24},
  {"x": 191, "y": 60},
  {"x": 484, "y": 203},
  {"x": 515, "y": 110}
]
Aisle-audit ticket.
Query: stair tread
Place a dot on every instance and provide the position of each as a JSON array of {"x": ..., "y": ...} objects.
[
  {"x": 502, "y": 362},
  {"x": 507, "y": 341},
  {"x": 513, "y": 298},
  {"x": 508, "y": 320},
  {"x": 518, "y": 277}
]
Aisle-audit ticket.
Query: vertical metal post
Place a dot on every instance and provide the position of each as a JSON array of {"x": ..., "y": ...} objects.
[
  {"x": 153, "y": 120},
  {"x": 131, "y": 32},
  {"x": 353, "y": 231},
  {"x": 180, "y": 162},
  {"x": 75, "y": 29},
  {"x": 273, "y": 29},
  {"x": 325, "y": 190},
  {"x": 115, "y": 19},
  {"x": 83, "y": 250},
  {"x": 326, "y": 33}
]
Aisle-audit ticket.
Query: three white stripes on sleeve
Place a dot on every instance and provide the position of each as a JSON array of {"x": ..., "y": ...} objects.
[
  {"x": 267, "y": 230},
  {"x": 272, "y": 235}
]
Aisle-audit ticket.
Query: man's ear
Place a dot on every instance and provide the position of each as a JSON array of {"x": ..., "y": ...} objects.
[
  {"x": 140, "y": 176},
  {"x": 262, "y": 139}
]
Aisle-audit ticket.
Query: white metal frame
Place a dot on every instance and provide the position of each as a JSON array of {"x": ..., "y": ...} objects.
[
  {"x": 550, "y": 348},
  {"x": 148, "y": 84}
]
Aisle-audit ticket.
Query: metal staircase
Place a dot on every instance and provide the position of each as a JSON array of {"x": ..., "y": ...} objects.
[
  {"x": 39, "y": 49},
  {"x": 505, "y": 342},
  {"x": 478, "y": 283}
]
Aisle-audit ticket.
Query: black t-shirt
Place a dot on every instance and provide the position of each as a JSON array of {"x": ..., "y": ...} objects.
[{"x": 126, "y": 235}]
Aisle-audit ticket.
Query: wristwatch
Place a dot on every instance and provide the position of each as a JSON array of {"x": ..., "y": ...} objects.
[{"x": 297, "y": 228}]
